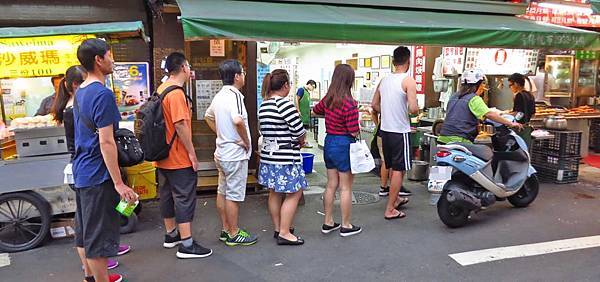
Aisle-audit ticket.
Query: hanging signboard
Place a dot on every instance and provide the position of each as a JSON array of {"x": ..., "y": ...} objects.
[
  {"x": 499, "y": 61},
  {"x": 419, "y": 74},
  {"x": 561, "y": 16},
  {"x": 454, "y": 60},
  {"x": 38, "y": 56},
  {"x": 131, "y": 85},
  {"x": 419, "y": 68}
]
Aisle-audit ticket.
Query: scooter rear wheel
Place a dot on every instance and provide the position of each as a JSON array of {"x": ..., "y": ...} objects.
[
  {"x": 526, "y": 194},
  {"x": 452, "y": 215}
]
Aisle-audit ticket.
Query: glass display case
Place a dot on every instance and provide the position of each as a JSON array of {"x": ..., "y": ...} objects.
[
  {"x": 586, "y": 75},
  {"x": 559, "y": 76}
]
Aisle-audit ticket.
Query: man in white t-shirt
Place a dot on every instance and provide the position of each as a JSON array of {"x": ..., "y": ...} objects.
[
  {"x": 396, "y": 98},
  {"x": 228, "y": 118}
]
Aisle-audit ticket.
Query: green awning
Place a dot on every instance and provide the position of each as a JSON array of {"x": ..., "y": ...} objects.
[
  {"x": 96, "y": 28},
  {"x": 253, "y": 20},
  {"x": 595, "y": 6}
]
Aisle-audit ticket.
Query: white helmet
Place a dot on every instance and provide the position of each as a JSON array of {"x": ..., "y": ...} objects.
[{"x": 472, "y": 76}]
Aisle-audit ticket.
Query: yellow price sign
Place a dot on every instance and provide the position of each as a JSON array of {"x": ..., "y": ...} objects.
[{"x": 39, "y": 56}]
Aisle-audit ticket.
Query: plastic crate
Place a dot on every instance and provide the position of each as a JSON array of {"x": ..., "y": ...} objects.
[
  {"x": 554, "y": 169},
  {"x": 595, "y": 135},
  {"x": 558, "y": 177},
  {"x": 564, "y": 144}
]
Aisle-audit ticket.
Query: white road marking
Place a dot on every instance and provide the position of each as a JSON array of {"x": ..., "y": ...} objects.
[
  {"x": 4, "y": 260},
  {"x": 494, "y": 254}
]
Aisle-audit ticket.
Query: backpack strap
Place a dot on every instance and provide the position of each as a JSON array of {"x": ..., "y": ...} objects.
[
  {"x": 162, "y": 96},
  {"x": 88, "y": 123}
]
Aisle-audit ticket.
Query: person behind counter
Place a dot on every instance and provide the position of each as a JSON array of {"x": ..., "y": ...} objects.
[
  {"x": 303, "y": 104},
  {"x": 47, "y": 103},
  {"x": 524, "y": 106},
  {"x": 466, "y": 108}
]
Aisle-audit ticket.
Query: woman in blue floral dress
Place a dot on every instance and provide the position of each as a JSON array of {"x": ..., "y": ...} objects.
[{"x": 280, "y": 167}]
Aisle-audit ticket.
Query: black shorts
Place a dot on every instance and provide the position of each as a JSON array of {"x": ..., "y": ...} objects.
[
  {"x": 396, "y": 150},
  {"x": 97, "y": 222},
  {"x": 178, "y": 193}
]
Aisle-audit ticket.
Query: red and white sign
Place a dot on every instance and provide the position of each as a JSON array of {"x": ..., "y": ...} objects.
[
  {"x": 500, "y": 57},
  {"x": 560, "y": 17},
  {"x": 418, "y": 65}
]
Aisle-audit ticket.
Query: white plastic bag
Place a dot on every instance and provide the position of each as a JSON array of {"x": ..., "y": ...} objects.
[
  {"x": 361, "y": 160},
  {"x": 68, "y": 171}
]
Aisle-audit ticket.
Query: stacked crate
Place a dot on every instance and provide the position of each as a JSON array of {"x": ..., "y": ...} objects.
[
  {"x": 557, "y": 160},
  {"x": 595, "y": 135}
]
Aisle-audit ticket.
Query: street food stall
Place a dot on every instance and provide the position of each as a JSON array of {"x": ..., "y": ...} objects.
[
  {"x": 33, "y": 148},
  {"x": 207, "y": 21}
]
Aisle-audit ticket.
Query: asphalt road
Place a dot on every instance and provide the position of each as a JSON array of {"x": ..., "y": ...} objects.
[{"x": 412, "y": 249}]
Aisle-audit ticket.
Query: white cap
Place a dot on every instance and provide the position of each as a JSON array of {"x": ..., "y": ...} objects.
[{"x": 472, "y": 76}]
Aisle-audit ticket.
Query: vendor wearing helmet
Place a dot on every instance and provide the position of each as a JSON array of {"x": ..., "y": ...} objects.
[{"x": 466, "y": 108}]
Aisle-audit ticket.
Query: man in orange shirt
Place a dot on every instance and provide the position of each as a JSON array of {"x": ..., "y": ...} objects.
[{"x": 177, "y": 175}]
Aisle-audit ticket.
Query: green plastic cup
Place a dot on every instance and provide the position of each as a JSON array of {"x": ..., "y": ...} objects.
[{"x": 126, "y": 208}]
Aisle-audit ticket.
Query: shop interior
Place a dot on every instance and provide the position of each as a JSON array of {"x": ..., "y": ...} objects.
[{"x": 564, "y": 82}]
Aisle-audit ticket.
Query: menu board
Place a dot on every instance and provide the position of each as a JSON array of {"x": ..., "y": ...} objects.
[
  {"x": 454, "y": 60},
  {"x": 498, "y": 61},
  {"x": 205, "y": 92}
]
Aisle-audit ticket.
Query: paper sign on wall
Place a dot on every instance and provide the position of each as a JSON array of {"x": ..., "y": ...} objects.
[
  {"x": 205, "y": 92},
  {"x": 217, "y": 48}
]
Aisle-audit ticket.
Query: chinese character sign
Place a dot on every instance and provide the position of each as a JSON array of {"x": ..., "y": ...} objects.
[
  {"x": 418, "y": 65},
  {"x": 454, "y": 60},
  {"x": 38, "y": 56},
  {"x": 561, "y": 16}
]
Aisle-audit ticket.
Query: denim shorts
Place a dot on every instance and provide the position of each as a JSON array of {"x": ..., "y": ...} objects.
[{"x": 337, "y": 152}]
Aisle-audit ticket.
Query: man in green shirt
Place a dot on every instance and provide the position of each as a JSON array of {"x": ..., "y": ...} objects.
[
  {"x": 466, "y": 109},
  {"x": 303, "y": 104}
]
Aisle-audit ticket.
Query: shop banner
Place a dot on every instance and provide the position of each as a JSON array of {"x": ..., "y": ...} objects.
[
  {"x": 419, "y": 68},
  {"x": 499, "y": 61},
  {"x": 38, "y": 56},
  {"x": 131, "y": 85},
  {"x": 561, "y": 16},
  {"x": 587, "y": 55}
]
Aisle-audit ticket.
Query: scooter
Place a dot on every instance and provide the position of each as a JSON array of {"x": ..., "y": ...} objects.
[{"x": 481, "y": 176}]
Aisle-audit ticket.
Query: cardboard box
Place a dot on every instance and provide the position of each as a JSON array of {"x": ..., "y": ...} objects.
[{"x": 62, "y": 228}]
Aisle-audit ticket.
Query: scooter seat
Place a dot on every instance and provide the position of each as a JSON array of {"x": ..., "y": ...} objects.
[{"x": 481, "y": 151}]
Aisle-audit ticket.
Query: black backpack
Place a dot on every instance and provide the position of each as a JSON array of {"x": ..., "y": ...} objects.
[
  {"x": 130, "y": 152},
  {"x": 151, "y": 129}
]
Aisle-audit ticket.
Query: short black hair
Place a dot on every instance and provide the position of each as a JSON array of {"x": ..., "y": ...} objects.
[
  {"x": 311, "y": 82},
  {"x": 401, "y": 55},
  {"x": 517, "y": 78},
  {"x": 228, "y": 69},
  {"x": 174, "y": 62},
  {"x": 89, "y": 49}
]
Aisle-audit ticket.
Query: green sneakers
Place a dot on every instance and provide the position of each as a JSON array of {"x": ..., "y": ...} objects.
[
  {"x": 242, "y": 238},
  {"x": 224, "y": 236}
]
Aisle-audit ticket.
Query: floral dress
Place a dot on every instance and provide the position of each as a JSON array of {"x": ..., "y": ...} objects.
[{"x": 280, "y": 166}]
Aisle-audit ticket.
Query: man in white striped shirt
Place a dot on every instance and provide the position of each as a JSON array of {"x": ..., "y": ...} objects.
[{"x": 228, "y": 118}]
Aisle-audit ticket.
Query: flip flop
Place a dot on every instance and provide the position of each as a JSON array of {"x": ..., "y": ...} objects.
[
  {"x": 404, "y": 202},
  {"x": 400, "y": 215}
]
